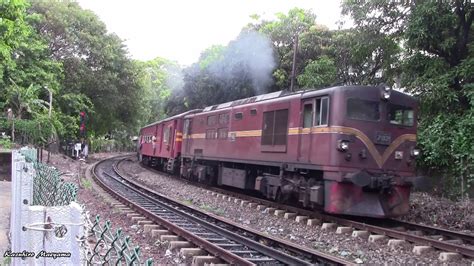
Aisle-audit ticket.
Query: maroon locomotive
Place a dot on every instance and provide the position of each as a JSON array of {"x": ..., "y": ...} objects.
[{"x": 349, "y": 150}]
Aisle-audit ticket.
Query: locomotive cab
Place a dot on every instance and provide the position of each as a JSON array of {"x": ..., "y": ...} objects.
[{"x": 374, "y": 152}]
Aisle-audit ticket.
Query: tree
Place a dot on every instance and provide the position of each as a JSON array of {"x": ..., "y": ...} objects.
[
  {"x": 160, "y": 78},
  {"x": 359, "y": 56},
  {"x": 98, "y": 75},
  {"x": 282, "y": 32},
  {"x": 318, "y": 73},
  {"x": 27, "y": 73},
  {"x": 13, "y": 32},
  {"x": 364, "y": 57},
  {"x": 437, "y": 66}
]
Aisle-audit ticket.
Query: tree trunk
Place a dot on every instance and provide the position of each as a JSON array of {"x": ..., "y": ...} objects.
[{"x": 13, "y": 131}]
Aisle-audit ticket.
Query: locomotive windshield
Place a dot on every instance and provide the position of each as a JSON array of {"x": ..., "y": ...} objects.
[
  {"x": 363, "y": 109},
  {"x": 400, "y": 115}
]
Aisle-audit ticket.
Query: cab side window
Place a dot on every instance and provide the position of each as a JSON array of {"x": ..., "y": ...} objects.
[
  {"x": 308, "y": 115},
  {"x": 166, "y": 135},
  {"x": 187, "y": 127},
  {"x": 322, "y": 111}
]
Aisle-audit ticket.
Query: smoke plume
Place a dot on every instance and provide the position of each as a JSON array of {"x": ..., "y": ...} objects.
[{"x": 249, "y": 57}]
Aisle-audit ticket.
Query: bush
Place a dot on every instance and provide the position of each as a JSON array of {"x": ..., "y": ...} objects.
[
  {"x": 448, "y": 151},
  {"x": 5, "y": 143}
]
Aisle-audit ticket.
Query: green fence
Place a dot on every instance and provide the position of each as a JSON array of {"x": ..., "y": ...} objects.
[
  {"x": 113, "y": 248},
  {"x": 48, "y": 187}
]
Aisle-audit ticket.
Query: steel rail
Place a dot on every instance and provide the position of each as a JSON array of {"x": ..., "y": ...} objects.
[
  {"x": 435, "y": 230},
  {"x": 312, "y": 255},
  {"x": 215, "y": 250},
  {"x": 424, "y": 240},
  {"x": 353, "y": 222}
]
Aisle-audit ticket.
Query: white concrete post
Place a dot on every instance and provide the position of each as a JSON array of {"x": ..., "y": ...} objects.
[
  {"x": 15, "y": 216},
  {"x": 70, "y": 217},
  {"x": 32, "y": 227},
  {"x": 32, "y": 240}
]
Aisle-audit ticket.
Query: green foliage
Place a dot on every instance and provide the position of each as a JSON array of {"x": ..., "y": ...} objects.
[
  {"x": 208, "y": 208},
  {"x": 99, "y": 78},
  {"x": 120, "y": 141},
  {"x": 86, "y": 183},
  {"x": 24, "y": 101},
  {"x": 30, "y": 131},
  {"x": 283, "y": 32},
  {"x": 436, "y": 66},
  {"x": 351, "y": 56},
  {"x": 211, "y": 55},
  {"x": 13, "y": 32},
  {"x": 159, "y": 77},
  {"x": 448, "y": 152},
  {"x": 318, "y": 73},
  {"x": 5, "y": 143},
  {"x": 360, "y": 55}
]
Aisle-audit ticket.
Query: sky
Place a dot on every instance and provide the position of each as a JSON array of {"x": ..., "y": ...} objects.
[{"x": 181, "y": 29}]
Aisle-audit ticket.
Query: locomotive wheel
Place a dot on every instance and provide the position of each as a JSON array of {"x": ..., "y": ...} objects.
[{"x": 279, "y": 197}]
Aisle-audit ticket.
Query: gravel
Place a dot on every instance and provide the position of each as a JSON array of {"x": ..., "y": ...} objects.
[
  {"x": 441, "y": 212},
  {"x": 344, "y": 246}
]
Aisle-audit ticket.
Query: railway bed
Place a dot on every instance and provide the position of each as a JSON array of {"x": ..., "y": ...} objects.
[
  {"x": 224, "y": 239},
  {"x": 452, "y": 244}
]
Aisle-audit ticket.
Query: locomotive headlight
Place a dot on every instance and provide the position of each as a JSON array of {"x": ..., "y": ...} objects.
[
  {"x": 415, "y": 152},
  {"x": 385, "y": 92},
  {"x": 342, "y": 145}
]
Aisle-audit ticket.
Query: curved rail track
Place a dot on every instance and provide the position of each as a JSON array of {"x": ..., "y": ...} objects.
[
  {"x": 424, "y": 235},
  {"x": 442, "y": 239},
  {"x": 224, "y": 239}
]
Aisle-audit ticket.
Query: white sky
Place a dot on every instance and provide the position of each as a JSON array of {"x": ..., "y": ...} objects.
[{"x": 180, "y": 30}]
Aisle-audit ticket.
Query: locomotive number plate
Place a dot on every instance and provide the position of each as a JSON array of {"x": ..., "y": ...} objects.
[{"x": 383, "y": 138}]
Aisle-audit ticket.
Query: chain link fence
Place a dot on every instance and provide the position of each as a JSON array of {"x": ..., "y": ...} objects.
[
  {"x": 48, "y": 187},
  {"x": 107, "y": 247}
]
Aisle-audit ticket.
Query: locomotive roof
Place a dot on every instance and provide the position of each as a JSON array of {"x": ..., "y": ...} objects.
[
  {"x": 261, "y": 97},
  {"x": 307, "y": 93},
  {"x": 285, "y": 93},
  {"x": 173, "y": 117}
]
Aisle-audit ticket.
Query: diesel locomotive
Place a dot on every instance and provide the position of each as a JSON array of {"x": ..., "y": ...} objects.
[{"x": 347, "y": 150}]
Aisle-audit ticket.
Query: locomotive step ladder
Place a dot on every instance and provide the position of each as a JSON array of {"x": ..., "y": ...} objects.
[{"x": 170, "y": 165}]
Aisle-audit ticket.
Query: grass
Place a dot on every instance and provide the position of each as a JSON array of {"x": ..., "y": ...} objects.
[
  {"x": 212, "y": 210},
  {"x": 86, "y": 183},
  {"x": 187, "y": 202}
]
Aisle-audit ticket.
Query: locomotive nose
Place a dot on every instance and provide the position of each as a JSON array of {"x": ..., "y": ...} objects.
[
  {"x": 374, "y": 182},
  {"x": 360, "y": 179}
]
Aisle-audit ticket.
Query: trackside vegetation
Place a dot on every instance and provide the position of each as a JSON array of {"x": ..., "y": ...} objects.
[{"x": 57, "y": 59}]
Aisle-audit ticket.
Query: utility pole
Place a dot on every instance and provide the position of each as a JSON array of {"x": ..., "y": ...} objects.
[
  {"x": 293, "y": 69},
  {"x": 11, "y": 116},
  {"x": 51, "y": 138},
  {"x": 50, "y": 102}
]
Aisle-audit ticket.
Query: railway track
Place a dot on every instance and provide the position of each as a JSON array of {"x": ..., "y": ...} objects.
[
  {"x": 425, "y": 238},
  {"x": 223, "y": 239}
]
